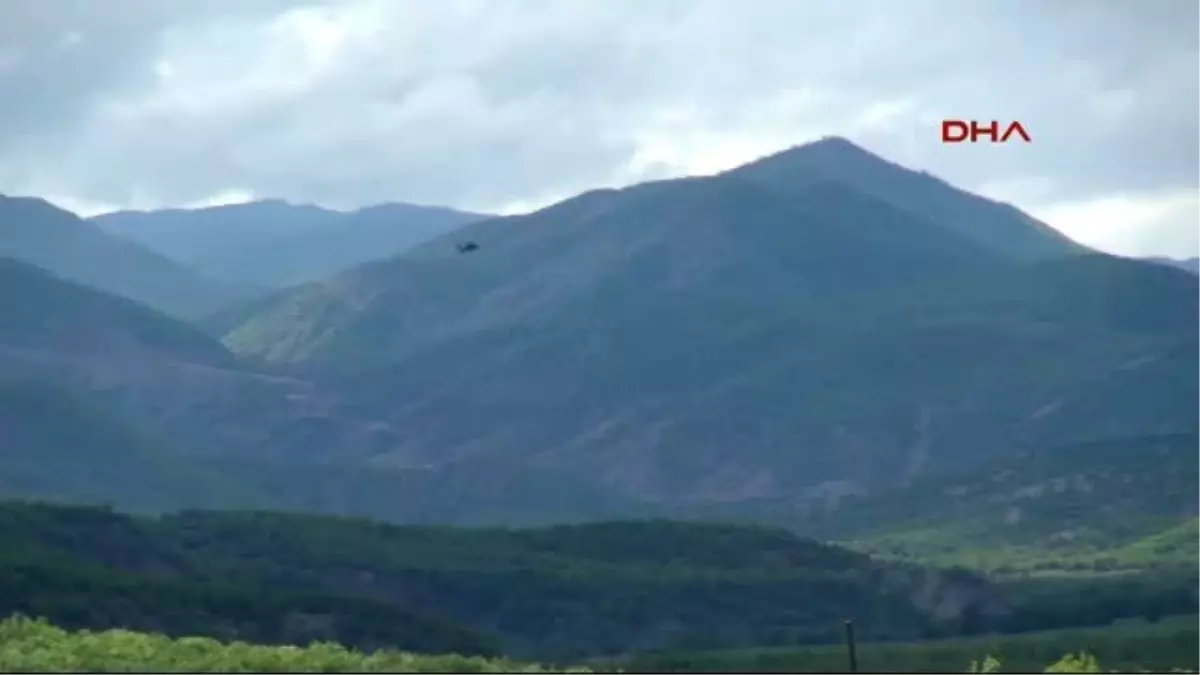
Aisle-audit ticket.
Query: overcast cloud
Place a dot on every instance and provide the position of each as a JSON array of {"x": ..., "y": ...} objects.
[{"x": 508, "y": 105}]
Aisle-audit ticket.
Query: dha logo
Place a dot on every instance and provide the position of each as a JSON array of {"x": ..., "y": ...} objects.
[{"x": 958, "y": 131}]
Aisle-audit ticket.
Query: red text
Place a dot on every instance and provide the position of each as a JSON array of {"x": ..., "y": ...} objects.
[{"x": 957, "y": 131}]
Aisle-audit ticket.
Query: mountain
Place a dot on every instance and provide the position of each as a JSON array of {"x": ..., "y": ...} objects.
[
  {"x": 764, "y": 332},
  {"x": 273, "y": 243},
  {"x": 37, "y": 232},
  {"x": 1190, "y": 264},
  {"x": 775, "y": 235}
]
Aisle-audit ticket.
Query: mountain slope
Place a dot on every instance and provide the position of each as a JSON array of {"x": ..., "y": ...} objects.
[
  {"x": 44, "y": 235},
  {"x": 63, "y": 348},
  {"x": 57, "y": 447},
  {"x": 1058, "y": 502},
  {"x": 149, "y": 371},
  {"x": 274, "y": 243},
  {"x": 41, "y": 311}
]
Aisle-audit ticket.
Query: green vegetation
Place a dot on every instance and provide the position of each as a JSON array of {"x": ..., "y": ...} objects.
[
  {"x": 38, "y": 647},
  {"x": 1133, "y": 646},
  {"x": 1088, "y": 508},
  {"x": 555, "y": 593}
]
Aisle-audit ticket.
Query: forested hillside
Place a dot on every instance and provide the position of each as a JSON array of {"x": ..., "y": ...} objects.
[{"x": 1102, "y": 506}]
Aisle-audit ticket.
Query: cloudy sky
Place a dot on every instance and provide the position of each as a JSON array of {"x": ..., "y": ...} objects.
[{"x": 509, "y": 105}]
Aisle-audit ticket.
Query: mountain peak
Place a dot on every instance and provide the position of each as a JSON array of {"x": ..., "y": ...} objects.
[
  {"x": 831, "y": 143},
  {"x": 1001, "y": 227},
  {"x": 825, "y": 153},
  {"x": 827, "y": 148}
]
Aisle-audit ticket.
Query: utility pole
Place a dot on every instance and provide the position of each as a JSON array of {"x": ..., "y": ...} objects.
[{"x": 850, "y": 651}]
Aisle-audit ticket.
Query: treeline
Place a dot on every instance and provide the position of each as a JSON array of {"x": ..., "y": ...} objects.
[
  {"x": 1054, "y": 602},
  {"x": 39, "y": 647}
]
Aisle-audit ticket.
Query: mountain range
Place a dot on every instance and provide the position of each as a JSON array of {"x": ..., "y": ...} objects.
[
  {"x": 798, "y": 340},
  {"x": 271, "y": 243},
  {"x": 774, "y": 330},
  {"x": 37, "y": 232}
]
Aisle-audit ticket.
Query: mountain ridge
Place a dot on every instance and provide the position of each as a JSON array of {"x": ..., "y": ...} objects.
[
  {"x": 646, "y": 220},
  {"x": 1190, "y": 264},
  {"x": 42, "y": 234},
  {"x": 274, "y": 243}
]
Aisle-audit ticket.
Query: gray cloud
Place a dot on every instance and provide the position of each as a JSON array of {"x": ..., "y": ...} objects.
[{"x": 482, "y": 105}]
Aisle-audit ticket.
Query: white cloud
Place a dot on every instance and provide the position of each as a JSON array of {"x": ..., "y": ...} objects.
[
  {"x": 1165, "y": 223},
  {"x": 489, "y": 105}
]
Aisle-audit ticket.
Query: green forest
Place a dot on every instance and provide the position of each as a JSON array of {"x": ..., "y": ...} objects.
[
  {"x": 563, "y": 594},
  {"x": 559, "y": 592}
]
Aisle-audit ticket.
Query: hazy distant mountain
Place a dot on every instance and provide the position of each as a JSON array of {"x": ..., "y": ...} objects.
[
  {"x": 274, "y": 243},
  {"x": 35, "y": 231},
  {"x": 1190, "y": 264}
]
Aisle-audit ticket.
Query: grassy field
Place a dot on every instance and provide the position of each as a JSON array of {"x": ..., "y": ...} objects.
[
  {"x": 28, "y": 646},
  {"x": 1164, "y": 646}
]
